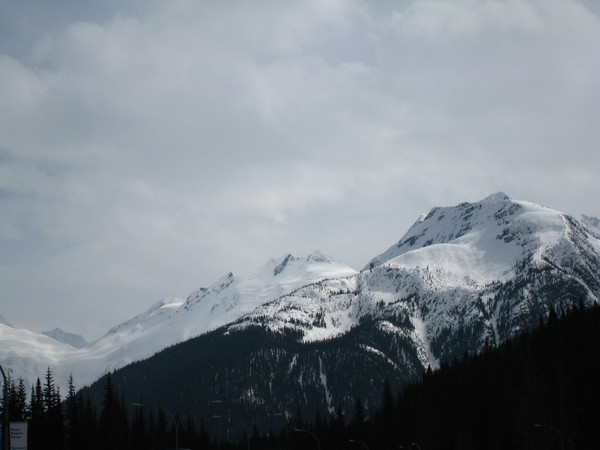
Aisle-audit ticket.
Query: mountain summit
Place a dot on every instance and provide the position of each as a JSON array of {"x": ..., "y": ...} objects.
[
  {"x": 495, "y": 229},
  {"x": 461, "y": 278}
]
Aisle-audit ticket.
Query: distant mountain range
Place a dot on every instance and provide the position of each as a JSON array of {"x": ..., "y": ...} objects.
[
  {"x": 315, "y": 334},
  {"x": 167, "y": 322}
]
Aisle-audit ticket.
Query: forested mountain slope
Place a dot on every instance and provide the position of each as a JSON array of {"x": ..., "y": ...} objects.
[{"x": 462, "y": 279}]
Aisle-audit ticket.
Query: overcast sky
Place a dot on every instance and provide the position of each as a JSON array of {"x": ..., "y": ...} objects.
[{"x": 149, "y": 147}]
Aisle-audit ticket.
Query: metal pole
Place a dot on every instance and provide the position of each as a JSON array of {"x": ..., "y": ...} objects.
[
  {"x": 5, "y": 419},
  {"x": 542, "y": 425},
  {"x": 412, "y": 444},
  {"x": 229, "y": 417},
  {"x": 298, "y": 430},
  {"x": 352, "y": 441}
]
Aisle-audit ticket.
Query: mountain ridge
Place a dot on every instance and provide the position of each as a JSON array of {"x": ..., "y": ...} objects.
[
  {"x": 74, "y": 340},
  {"x": 460, "y": 278},
  {"x": 165, "y": 323},
  {"x": 464, "y": 253}
]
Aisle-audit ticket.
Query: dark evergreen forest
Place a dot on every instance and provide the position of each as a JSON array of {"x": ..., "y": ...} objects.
[{"x": 537, "y": 391}]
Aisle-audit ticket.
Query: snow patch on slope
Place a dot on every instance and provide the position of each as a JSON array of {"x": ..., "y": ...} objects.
[
  {"x": 382, "y": 355},
  {"x": 323, "y": 378},
  {"x": 428, "y": 358}
]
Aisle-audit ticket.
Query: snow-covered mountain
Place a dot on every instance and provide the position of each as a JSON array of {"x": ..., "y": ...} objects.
[
  {"x": 462, "y": 277},
  {"x": 28, "y": 355},
  {"x": 74, "y": 340},
  {"x": 165, "y": 323}
]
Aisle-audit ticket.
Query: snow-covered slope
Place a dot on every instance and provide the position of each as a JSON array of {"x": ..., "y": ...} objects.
[
  {"x": 28, "y": 355},
  {"x": 74, "y": 340},
  {"x": 593, "y": 224},
  {"x": 477, "y": 240},
  {"x": 169, "y": 322},
  {"x": 232, "y": 296},
  {"x": 165, "y": 323},
  {"x": 460, "y": 278}
]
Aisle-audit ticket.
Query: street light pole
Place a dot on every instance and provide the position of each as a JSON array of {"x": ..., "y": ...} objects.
[
  {"x": 544, "y": 425},
  {"x": 229, "y": 417},
  {"x": 173, "y": 418},
  {"x": 298, "y": 430},
  {"x": 352, "y": 441},
  {"x": 5, "y": 419},
  {"x": 413, "y": 444}
]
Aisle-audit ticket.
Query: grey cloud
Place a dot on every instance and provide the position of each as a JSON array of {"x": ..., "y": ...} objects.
[{"x": 150, "y": 147}]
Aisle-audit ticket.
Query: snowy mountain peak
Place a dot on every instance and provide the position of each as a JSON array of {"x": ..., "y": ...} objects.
[
  {"x": 154, "y": 314},
  {"x": 74, "y": 340},
  {"x": 476, "y": 272},
  {"x": 275, "y": 278},
  {"x": 281, "y": 266},
  {"x": 496, "y": 229},
  {"x": 498, "y": 197},
  {"x": 483, "y": 269},
  {"x": 319, "y": 256}
]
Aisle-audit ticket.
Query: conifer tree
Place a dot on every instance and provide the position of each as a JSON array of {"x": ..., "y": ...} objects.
[
  {"x": 358, "y": 421},
  {"x": 53, "y": 425},
  {"x": 17, "y": 401},
  {"x": 8, "y": 402},
  {"x": 384, "y": 420},
  {"x": 74, "y": 436},
  {"x": 113, "y": 425},
  {"x": 36, "y": 422},
  {"x": 89, "y": 424}
]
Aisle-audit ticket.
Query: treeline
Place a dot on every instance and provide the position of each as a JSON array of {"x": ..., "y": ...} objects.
[
  {"x": 538, "y": 391},
  {"x": 256, "y": 371},
  {"x": 75, "y": 423},
  {"x": 51, "y": 421}
]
